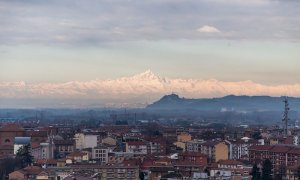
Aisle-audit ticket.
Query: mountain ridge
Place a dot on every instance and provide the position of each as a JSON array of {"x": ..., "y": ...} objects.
[
  {"x": 227, "y": 103},
  {"x": 140, "y": 89}
]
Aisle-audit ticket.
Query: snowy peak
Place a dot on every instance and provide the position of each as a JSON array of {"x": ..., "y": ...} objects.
[
  {"x": 147, "y": 75},
  {"x": 142, "y": 88}
]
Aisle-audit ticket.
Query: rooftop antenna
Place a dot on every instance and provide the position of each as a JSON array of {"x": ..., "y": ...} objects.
[{"x": 286, "y": 116}]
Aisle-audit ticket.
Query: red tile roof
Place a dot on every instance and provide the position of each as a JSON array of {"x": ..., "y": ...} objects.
[
  {"x": 187, "y": 163},
  {"x": 6, "y": 147},
  {"x": 34, "y": 170},
  {"x": 136, "y": 143},
  {"x": 35, "y": 145},
  {"x": 147, "y": 164},
  {"x": 12, "y": 127},
  {"x": 276, "y": 148},
  {"x": 131, "y": 162},
  {"x": 76, "y": 154},
  {"x": 295, "y": 150},
  {"x": 261, "y": 148},
  {"x": 38, "y": 133},
  {"x": 163, "y": 159},
  {"x": 280, "y": 149},
  {"x": 230, "y": 162},
  {"x": 46, "y": 161},
  {"x": 194, "y": 154}
]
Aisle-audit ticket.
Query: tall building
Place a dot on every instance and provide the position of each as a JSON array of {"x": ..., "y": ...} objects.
[
  {"x": 239, "y": 149},
  {"x": 8, "y": 133},
  {"x": 215, "y": 150},
  {"x": 86, "y": 140},
  {"x": 136, "y": 147},
  {"x": 194, "y": 145},
  {"x": 100, "y": 153},
  {"x": 280, "y": 155}
]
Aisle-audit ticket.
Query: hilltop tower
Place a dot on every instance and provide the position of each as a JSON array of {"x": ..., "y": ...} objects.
[{"x": 286, "y": 116}]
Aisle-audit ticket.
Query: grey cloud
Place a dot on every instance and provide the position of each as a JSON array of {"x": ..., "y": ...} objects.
[{"x": 84, "y": 22}]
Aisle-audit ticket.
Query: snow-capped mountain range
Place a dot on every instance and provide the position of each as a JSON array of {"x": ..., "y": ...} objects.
[{"x": 140, "y": 89}]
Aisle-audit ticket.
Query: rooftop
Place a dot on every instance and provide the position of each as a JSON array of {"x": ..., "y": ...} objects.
[
  {"x": 230, "y": 162},
  {"x": 280, "y": 148},
  {"x": 12, "y": 127},
  {"x": 136, "y": 143},
  {"x": 22, "y": 140}
]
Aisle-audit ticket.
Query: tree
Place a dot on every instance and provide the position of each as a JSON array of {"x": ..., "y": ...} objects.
[
  {"x": 24, "y": 156},
  {"x": 281, "y": 173},
  {"x": 56, "y": 154},
  {"x": 255, "y": 172},
  {"x": 207, "y": 172},
  {"x": 256, "y": 135},
  {"x": 267, "y": 170},
  {"x": 142, "y": 176},
  {"x": 7, "y": 165}
]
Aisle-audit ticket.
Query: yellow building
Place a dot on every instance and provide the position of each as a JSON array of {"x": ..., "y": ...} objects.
[
  {"x": 221, "y": 151},
  {"x": 184, "y": 137},
  {"x": 216, "y": 150},
  {"x": 180, "y": 145}
]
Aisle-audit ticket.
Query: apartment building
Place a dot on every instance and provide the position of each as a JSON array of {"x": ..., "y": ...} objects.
[
  {"x": 279, "y": 155},
  {"x": 100, "y": 153},
  {"x": 136, "y": 147},
  {"x": 215, "y": 150}
]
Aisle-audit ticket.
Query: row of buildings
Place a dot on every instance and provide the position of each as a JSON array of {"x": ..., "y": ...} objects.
[{"x": 127, "y": 152}]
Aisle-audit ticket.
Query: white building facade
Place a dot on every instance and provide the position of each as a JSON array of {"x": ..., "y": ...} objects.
[{"x": 83, "y": 140}]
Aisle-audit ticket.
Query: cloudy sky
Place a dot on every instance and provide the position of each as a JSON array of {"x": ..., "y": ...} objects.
[{"x": 58, "y": 41}]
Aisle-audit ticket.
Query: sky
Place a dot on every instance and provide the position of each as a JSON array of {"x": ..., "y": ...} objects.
[{"x": 59, "y": 41}]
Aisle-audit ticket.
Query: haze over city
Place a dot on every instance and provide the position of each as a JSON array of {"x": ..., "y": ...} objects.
[{"x": 150, "y": 89}]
